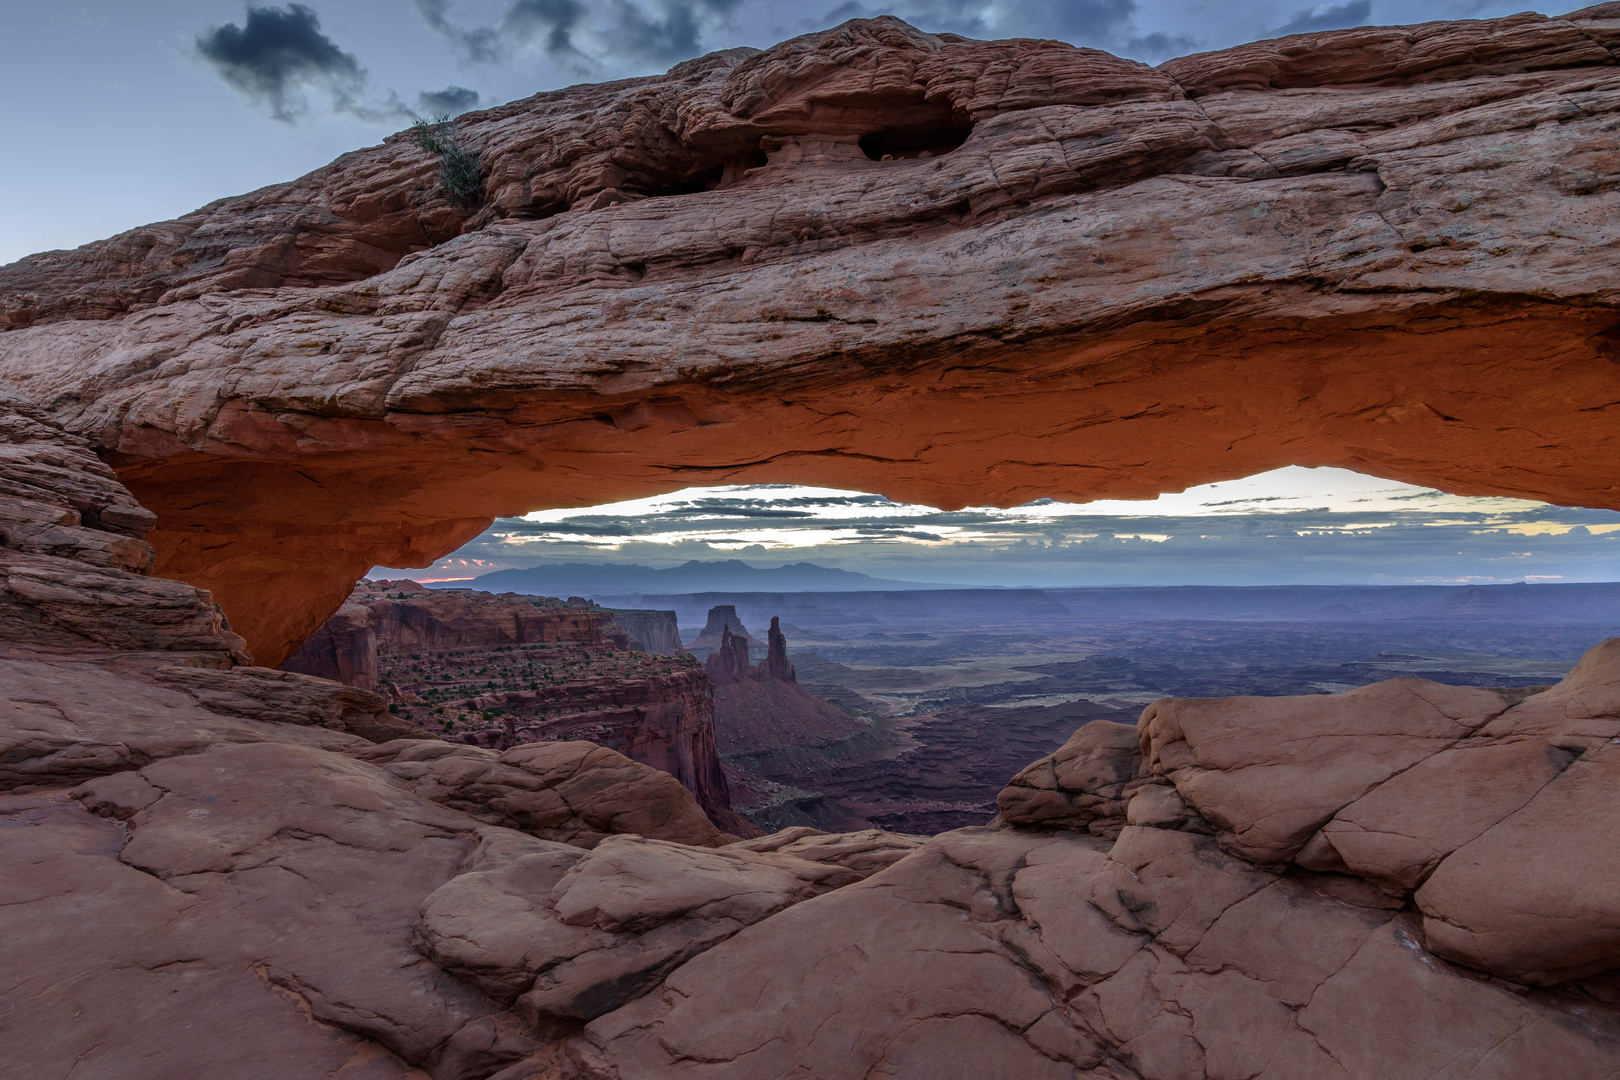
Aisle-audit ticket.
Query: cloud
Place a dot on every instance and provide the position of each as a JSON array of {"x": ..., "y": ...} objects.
[
  {"x": 550, "y": 24},
  {"x": 277, "y": 55},
  {"x": 451, "y": 101},
  {"x": 610, "y": 32},
  {"x": 1327, "y": 17},
  {"x": 479, "y": 45},
  {"x": 1373, "y": 532},
  {"x": 1099, "y": 24},
  {"x": 666, "y": 40},
  {"x": 662, "y": 32}
]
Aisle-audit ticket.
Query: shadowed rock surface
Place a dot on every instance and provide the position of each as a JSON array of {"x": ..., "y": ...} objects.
[{"x": 1074, "y": 276}]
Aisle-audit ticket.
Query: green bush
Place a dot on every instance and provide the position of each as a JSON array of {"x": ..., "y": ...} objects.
[{"x": 459, "y": 171}]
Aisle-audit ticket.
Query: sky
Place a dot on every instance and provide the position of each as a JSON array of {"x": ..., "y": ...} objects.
[
  {"x": 1288, "y": 526},
  {"x": 126, "y": 113}
]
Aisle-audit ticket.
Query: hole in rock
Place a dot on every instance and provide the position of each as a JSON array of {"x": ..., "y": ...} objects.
[{"x": 917, "y": 141}]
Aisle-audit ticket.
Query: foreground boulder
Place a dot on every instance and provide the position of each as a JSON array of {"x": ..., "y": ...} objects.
[
  {"x": 571, "y": 792},
  {"x": 565, "y": 936},
  {"x": 1176, "y": 906}
]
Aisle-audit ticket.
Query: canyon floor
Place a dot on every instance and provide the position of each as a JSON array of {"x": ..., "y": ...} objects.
[{"x": 959, "y": 687}]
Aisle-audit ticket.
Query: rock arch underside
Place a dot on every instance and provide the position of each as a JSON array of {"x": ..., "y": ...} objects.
[{"x": 950, "y": 271}]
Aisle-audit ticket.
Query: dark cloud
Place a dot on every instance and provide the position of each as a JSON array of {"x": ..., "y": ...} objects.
[
  {"x": 479, "y": 45},
  {"x": 277, "y": 55},
  {"x": 451, "y": 101},
  {"x": 550, "y": 24},
  {"x": 1087, "y": 22},
  {"x": 1158, "y": 46},
  {"x": 1327, "y": 17},
  {"x": 1326, "y": 546},
  {"x": 666, "y": 35}
]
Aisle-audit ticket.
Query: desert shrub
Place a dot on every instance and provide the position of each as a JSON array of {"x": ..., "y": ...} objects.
[{"x": 459, "y": 171}]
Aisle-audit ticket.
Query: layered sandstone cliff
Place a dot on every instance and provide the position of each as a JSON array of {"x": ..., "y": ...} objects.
[
  {"x": 500, "y": 670},
  {"x": 650, "y": 631},
  {"x": 403, "y": 615},
  {"x": 1382, "y": 248}
]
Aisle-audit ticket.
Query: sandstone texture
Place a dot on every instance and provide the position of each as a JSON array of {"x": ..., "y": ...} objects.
[
  {"x": 210, "y": 869},
  {"x": 571, "y": 792},
  {"x": 951, "y": 271}
]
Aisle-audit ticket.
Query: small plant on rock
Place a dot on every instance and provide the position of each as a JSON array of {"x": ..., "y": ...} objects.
[{"x": 458, "y": 169}]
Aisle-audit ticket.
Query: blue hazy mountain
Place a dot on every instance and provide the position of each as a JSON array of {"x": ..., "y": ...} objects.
[{"x": 731, "y": 575}]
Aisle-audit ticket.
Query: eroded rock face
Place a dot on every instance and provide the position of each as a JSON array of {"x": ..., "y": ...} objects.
[
  {"x": 75, "y": 591},
  {"x": 565, "y": 936},
  {"x": 1371, "y": 248},
  {"x": 73, "y": 550},
  {"x": 570, "y": 792},
  {"x": 1313, "y": 251}
]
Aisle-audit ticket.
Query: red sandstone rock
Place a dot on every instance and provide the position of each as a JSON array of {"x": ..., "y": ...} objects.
[
  {"x": 1086, "y": 784},
  {"x": 1269, "y": 772},
  {"x": 569, "y": 792},
  {"x": 73, "y": 550},
  {"x": 565, "y": 936},
  {"x": 650, "y": 631},
  {"x": 723, "y": 620},
  {"x": 865, "y": 852}
]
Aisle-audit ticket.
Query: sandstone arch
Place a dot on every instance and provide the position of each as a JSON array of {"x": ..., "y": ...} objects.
[{"x": 1389, "y": 249}]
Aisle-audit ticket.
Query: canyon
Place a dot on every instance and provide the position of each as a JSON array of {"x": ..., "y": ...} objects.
[
  {"x": 941, "y": 269},
  {"x": 500, "y": 670}
]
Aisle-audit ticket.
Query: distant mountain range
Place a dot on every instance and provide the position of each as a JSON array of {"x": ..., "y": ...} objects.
[{"x": 731, "y": 575}]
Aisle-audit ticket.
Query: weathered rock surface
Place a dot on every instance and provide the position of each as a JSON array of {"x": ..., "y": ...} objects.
[
  {"x": 569, "y": 792},
  {"x": 1014, "y": 954},
  {"x": 74, "y": 561},
  {"x": 199, "y": 875},
  {"x": 1380, "y": 248},
  {"x": 865, "y": 852},
  {"x": 75, "y": 591},
  {"x": 565, "y": 936},
  {"x": 1085, "y": 785},
  {"x": 64, "y": 723},
  {"x": 1270, "y": 772},
  {"x": 1162, "y": 932},
  {"x": 1490, "y": 808}
]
